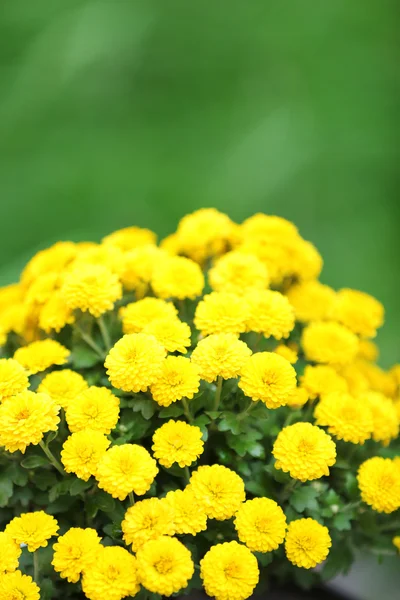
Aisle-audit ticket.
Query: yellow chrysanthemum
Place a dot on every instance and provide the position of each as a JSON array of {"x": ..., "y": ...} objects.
[
  {"x": 18, "y": 586},
  {"x": 164, "y": 566},
  {"x": 124, "y": 469},
  {"x": 147, "y": 520},
  {"x": 95, "y": 408},
  {"x": 396, "y": 542},
  {"x": 39, "y": 356},
  {"x": 75, "y": 552},
  {"x": 218, "y": 490},
  {"x": 356, "y": 381},
  {"x": 238, "y": 272},
  {"x": 229, "y": 571},
  {"x": 99, "y": 254},
  {"x": 368, "y": 350},
  {"x": 130, "y": 237},
  {"x": 177, "y": 277},
  {"x": 171, "y": 333},
  {"x": 113, "y": 576},
  {"x": 33, "y": 529},
  {"x": 13, "y": 378},
  {"x": 286, "y": 352},
  {"x": 63, "y": 386},
  {"x": 270, "y": 227},
  {"x": 82, "y": 452},
  {"x": 347, "y": 418},
  {"x": 384, "y": 416},
  {"x": 189, "y": 517},
  {"x": 179, "y": 378},
  {"x": 268, "y": 377},
  {"x": 307, "y": 543},
  {"x": 135, "y": 362},
  {"x": 221, "y": 312},
  {"x": 329, "y": 342},
  {"x": 298, "y": 398},
  {"x": 10, "y": 552},
  {"x": 220, "y": 355},
  {"x": 378, "y": 379},
  {"x": 322, "y": 379},
  {"x": 379, "y": 483},
  {"x": 261, "y": 524},
  {"x": 311, "y": 300},
  {"x": 92, "y": 288},
  {"x": 304, "y": 451},
  {"x": 176, "y": 441},
  {"x": 42, "y": 288},
  {"x": 270, "y": 313},
  {"x": 3, "y": 336},
  {"x": 136, "y": 315},
  {"x": 358, "y": 311},
  {"x": 53, "y": 259},
  {"x": 55, "y": 314},
  {"x": 25, "y": 418},
  {"x": 138, "y": 265}
]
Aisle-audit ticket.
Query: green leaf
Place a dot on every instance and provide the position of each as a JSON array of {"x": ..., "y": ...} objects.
[
  {"x": 51, "y": 436},
  {"x": 304, "y": 498},
  {"x": 339, "y": 560},
  {"x": 146, "y": 406},
  {"x": 46, "y": 589},
  {"x": 6, "y": 490},
  {"x": 34, "y": 461},
  {"x": 100, "y": 501},
  {"x": 45, "y": 479},
  {"x": 230, "y": 422},
  {"x": 175, "y": 410},
  {"x": 83, "y": 357},
  {"x": 78, "y": 486},
  {"x": 17, "y": 475},
  {"x": 202, "y": 423},
  {"x": 264, "y": 558},
  {"x": 342, "y": 521}
]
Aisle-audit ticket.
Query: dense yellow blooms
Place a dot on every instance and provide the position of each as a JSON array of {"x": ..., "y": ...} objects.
[
  {"x": 384, "y": 416},
  {"x": 220, "y": 355},
  {"x": 298, "y": 398},
  {"x": 10, "y": 552},
  {"x": 321, "y": 380},
  {"x": 177, "y": 442},
  {"x": 33, "y": 529},
  {"x": 130, "y": 237},
  {"x": 238, "y": 272},
  {"x": 147, "y": 520},
  {"x": 82, "y": 452},
  {"x": 39, "y": 356},
  {"x": 95, "y": 408},
  {"x": 261, "y": 524},
  {"x": 189, "y": 517},
  {"x": 379, "y": 483},
  {"x": 75, "y": 552},
  {"x": 270, "y": 313},
  {"x": 307, "y": 543},
  {"x": 55, "y": 314},
  {"x": 13, "y": 378},
  {"x": 347, "y": 418},
  {"x": 63, "y": 386},
  {"x": 360, "y": 312},
  {"x": 368, "y": 350},
  {"x": 92, "y": 288},
  {"x": 18, "y": 586},
  {"x": 136, "y": 315},
  {"x": 218, "y": 490},
  {"x": 103, "y": 255},
  {"x": 268, "y": 377},
  {"x": 177, "y": 379},
  {"x": 311, "y": 300},
  {"x": 173, "y": 334},
  {"x": 138, "y": 265},
  {"x": 54, "y": 259},
  {"x": 221, "y": 312},
  {"x": 177, "y": 277},
  {"x": 329, "y": 342},
  {"x": 286, "y": 352},
  {"x": 113, "y": 576}
]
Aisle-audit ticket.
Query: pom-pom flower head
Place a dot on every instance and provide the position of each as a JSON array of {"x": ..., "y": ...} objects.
[
  {"x": 178, "y": 442},
  {"x": 379, "y": 483},
  {"x": 178, "y": 379},
  {"x": 63, "y": 386},
  {"x": 329, "y": 342},
  {"x": 385, "y": 423},
  {"x": 220, "y": 355},
  {"x": 95, "y": 408},
  {"x": 322, "y": 379},
  {"x": 360, "y": 312},
  {"x": 147, "y": 520},
  {"x": 39, "y": 356},
  {"x": 177, "y": 277},
  {"x": 75, "y": 552},
  {"x": 10, "y": 552},
  {"x": 311, "y": 300},
  {"x": 171, "y": 333},
  {"x": 136, "y": 315},
  {"x": 347, "y": 418},
  {"x": 82, "y": 452},
  {"x": 218, "y": 490},
  {"x": 307, "y": 543},
  {"x": 261, "y": 524},
  {"x": 92, "y": 288},
  {"x": 221, "y": 312},
  {"x": 16, "y": 585},
  {"x": 112, "y": 576},
  {"x": 238, "y": 272},
  {"x": 189, "y": 517},
  {"x": 13, "y": 378},
  {"x": 33, "y": 529},
  {"x": 270, "y": 313}
]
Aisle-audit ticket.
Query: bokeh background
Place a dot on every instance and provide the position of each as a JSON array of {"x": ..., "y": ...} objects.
[{"x": 120, "y": 112}]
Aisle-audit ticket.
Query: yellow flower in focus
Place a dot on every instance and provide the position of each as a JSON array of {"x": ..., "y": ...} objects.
[
  {"x": 307, "y": 543},
  {"x": 218, "y": 490},
  {"x": 138, "y": 266},
  {"x": 10, "y": 552},
  {"x": 189, "y": 517},
  {"x": 347, "y": 418},
  {"x": 268, "y": 377},
  {"x": 39, "y": 356},
  {"x": 55, "y": 314},
  {"x": 288, "y": 353},
  {"x": 136, "y": 315},
  {"x": 260, "y": 524},
  {"x": 135, "y": 362},
  {"x": 238, "y": 273},
  {"x": 379, "y": 483},
  {"x": 147, "y": 520},
  {"x": 368, "y": 350},
  {"x": 95, "y": 408},
  {"x": 396, "y": 542},
  {"x": 177, "y": 277},
  {"x": 75, "y": 552},
  {"x": 311, "y": 300},
  {"x": 177, "y": 442},
  {"x": 171, "y": 333},
  {"x": 13, "y": 378},
  {"x": 304, "y": 451},
  {"x": 229, "y": 571},
  {"x": 113, "y": 575},
  {"x": 329, "y": 342},
  {"x": 25, "y": 418},
  {"x": 298, "y": 398},
  {"x": 16, "y": 585},
  {"x": 384, "y": 416},
  {"x": 270, "y": 313},
  {"x": 53, "y": 259},
  {"x": 220, "y": 355},
  {"x": 358, "y": 311},
  {"x": 125, "y": 469},
  {"x": 82, "y": 452},
  {"x": 178, "y": 379},
  {"x": 33, "y": 529},
  {"x": 63, "y": 386},
  {"x": 221, "y": 312},
  {"x": 92, "y": 288},
  {"x": 130, "y": 237}
]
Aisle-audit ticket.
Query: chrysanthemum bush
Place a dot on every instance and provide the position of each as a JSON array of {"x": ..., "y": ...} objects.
[{"x": 199, "y": 413}]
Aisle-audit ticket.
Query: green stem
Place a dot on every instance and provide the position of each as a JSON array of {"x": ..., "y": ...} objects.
[
  {"x": 292, "y": 416},
  {"x": 52, "y": 458},
  {"x": 186, "y": 410},
  {"x": 90, "y": 342},
  {"x": 217, "y": 397},
  {"x": 289, "y": 488},
  {"x": 187, "y": 474},
  {"x": 36, "y": 567},
  {"x": 308, "y": 413},
  {"x": 247, "y": 410},
  {"x": 131, "y": 498},
  {"x": 104, "y": 333}
]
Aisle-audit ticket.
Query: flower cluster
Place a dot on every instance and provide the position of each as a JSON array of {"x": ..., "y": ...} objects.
[{"x": 199, "y": 411}]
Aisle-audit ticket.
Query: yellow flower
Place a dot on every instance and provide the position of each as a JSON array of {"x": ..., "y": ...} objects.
[
  {"x": 138, "y": 265},
  {"x": 10, "y": 552},
  {"x": 147, "y": 520},
  {"x": 135, "y": 362},
  {"x": 171, "y": 333},
  {"x": 130, "y": 237},
  {"x": 75, "y": 552},
  {"x": 95, "y": 408},
  {"x": 368, "y": 350},
  {"x": 176, "y": 441},
  {"x": 360, "y": 312},
  {"x": 305, "y": 260},
  {"x": 298, "y": 398},
  {"x": 322, "y": 379},
  {"x": 229, "y": 571},
  {"x": 220, "y": 354},
  {"x": 53, "y": 259},
  {"x": 261, "y": 524},
  {"x": 63, "y": 386},
  {"x": 221, "y": 312},
  {"x": 164, "y": 566},
  {"x": 16, "y": 585},
  {"x": 3, "y": 336},
  {"x": 177, "y": 277},
  {"x": 347, "y": 418},
  {"x": 396, "y": 542},
  {"x": 379, "y": 483},
  {"x": 33, "y": 529},
  {"x": 356, "y": 381},
  {"x": 307, "y": 543},
  {"x": 286, "y": 352},
  {"x": 42, "y": 288},
  {"x": 40, "y": 355},
  {"x": 268, "y": 377},
  {"x": 270, "y": 313},
  {"x": 25, "y": 418},
  {"x": 136, "y": 315},
  {"x": 304, "y": 451},
  {"x": 92, "y": 288},
  {"x": 218, "y": 490},
  {"x": 178, "y": 379},
  {"x": 13, "y": 378},
  {"x": 378, "y": 379},
  {"x": 238, "y": 273},
  {"x": 189, "y": 517},
  {"x": 82, "y": 452},
  {"x": 329, "y": 342},
  {"x": 55, "y": 314},
  {"x": 311, "y": 300},
  {"x": 124, "y": 469},
  {"x": 113, "y": 575},
  {"x": 270, "y": 227},
  {"x": 384, "y": 416}
]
